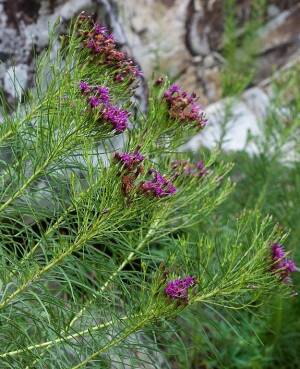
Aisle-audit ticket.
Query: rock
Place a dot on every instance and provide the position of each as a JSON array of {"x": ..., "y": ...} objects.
[
  {"x": 234, "y": 122},
  {"x": 24, "y": 26},
  {"x": 273, "y": 11},
  {"x": 279, "y": 41},
  {"x": 230, "y": 116},
  {"x": 284, "y": 29},
  {"x": 208, "y": 61}
]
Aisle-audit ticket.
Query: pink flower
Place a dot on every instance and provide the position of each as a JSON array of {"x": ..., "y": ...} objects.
[
  {"x": 118, "y": 118},
  {"x": 94, "y": 101},
  {"x": 129, "y": 160},
  {"x": 159, "y": 186},
  {"x": 281, "y": 265},
  {"x": 84, "y": 87},
  {"x": 178, "y": 288}
]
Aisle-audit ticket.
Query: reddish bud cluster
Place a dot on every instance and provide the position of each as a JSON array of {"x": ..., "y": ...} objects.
[
  {"x": 184, "y": 107},
  {"x": 104, "y": 48},
  {"x": 132, "y": 168},
  {"x": 159, "y": 186}
]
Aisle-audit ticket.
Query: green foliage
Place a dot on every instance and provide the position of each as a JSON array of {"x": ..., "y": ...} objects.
[
  {"x": 83, "y": 264},
  {"x": 240, "y": 47},
  {"x": 268, "y": 182}
]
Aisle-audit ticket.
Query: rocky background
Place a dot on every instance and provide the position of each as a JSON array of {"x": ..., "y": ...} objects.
[{"x": 183, "y": 38}]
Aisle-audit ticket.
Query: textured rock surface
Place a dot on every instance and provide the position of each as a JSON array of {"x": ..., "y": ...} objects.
[
  {"x": 24, "y": 28},
  {"x": 180, "y": 37},
  {"x": 184, "y": 38}
]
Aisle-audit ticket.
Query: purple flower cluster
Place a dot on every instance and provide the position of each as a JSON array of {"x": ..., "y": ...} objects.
[
  {"x": 159, "y": 186},
  {"x": 130, "y": 160},
  {"x": 281, "y": 265},
  {"x": 98, "y": 97},
  {"x": 184, "y": 106},
  {"x": 96, "y": 94},
  {"x": 84, "y": 87},
  {"x": 178, "y": 288},
  {"x": 103, "y": 47},
  {"x": 188, "y": 168},
  {"x": 202, "y": 170},
  {"x": 132, "y": 167},
  {"x": 103, "y": 93},
  {"x": 117, "y": 117}
]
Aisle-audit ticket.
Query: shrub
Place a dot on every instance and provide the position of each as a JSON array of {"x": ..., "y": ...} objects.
[{"x": 98, "y": 215}]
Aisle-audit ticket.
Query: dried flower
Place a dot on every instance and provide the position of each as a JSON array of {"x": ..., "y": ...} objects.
[
  {"x": 183, "y": 106},
  {"x": 178, "y": 288},
  {"x": 281, "y": 265},
  {"x": 103, "y": 46},
  {"x": 159, "y": 186},
  {"x": 127, "y": 184}
]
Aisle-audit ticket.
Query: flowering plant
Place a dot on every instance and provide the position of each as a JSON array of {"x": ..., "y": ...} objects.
[{"x": 86, "y": 220}]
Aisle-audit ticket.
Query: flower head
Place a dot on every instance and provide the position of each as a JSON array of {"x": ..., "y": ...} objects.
[
  {"x": 129, "y": 160},
  {"x": 171, "y": 91},
  {"x": 117, "y": 117},
  {"x": 159, "y": 186},
  {"x": 94, "y": 101},
  {"x": 99, "y": 97},
  {"x": 281, "y": 265},
  {"x": 277, "y": 251},
  {"x": 103, "y": 93},
  {"x": 98, "y": 29},
  {"x": 184, "y": 106},
  {"x": 90, "y": 44},
  {"x": 103, "y": 46},
  {"x": 84, "y": 87},
  {"x": 178, "y": 288}
]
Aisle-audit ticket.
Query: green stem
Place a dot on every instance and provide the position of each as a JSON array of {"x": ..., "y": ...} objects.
[
  {"x": 120, "y": 268},
  {"x": 25, "y": 185},
  {"x": 113, "y": 275},
  {"x": 55, "y": 261},
  {"x": 23, "y": 120},
  {"x": 114, "y": 342},
  {"x": 51, "y": 343}
]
